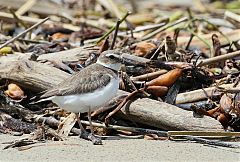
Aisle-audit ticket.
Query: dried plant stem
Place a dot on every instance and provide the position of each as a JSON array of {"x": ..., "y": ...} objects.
[
  {"x": 112, "y": 29},
  {"x": 210, "y": 142},
  {"x": 115, "y": 34},
  {"x": 131, "y": 129},
  {"x": 164, "y": 28},
  {"x": 24, "y": 32},
  {"x": 219, "y": 58},
  {"x": 149, "y": 76}
]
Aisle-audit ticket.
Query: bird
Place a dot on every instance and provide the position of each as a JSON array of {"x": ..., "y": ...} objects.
[{"x": 89, "y": 88}]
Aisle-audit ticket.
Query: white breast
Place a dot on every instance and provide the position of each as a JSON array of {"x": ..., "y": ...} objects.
[{"x": 82, "y": 102}]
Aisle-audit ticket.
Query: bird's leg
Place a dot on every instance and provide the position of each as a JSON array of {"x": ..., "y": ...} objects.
[
  {"x": 90, "y": 121},
  {"x": 80, "y": 124},
  {"x": 95, "y": 140}
]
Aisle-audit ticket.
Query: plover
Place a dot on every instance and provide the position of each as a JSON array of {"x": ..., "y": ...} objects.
[{"x": 88, "y": 89}]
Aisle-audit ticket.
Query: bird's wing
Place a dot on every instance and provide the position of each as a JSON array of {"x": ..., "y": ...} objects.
[{"x": 84, "y": 81}]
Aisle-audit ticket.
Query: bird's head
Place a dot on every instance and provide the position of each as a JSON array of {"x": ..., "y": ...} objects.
[{"x": 110, "y": 59}]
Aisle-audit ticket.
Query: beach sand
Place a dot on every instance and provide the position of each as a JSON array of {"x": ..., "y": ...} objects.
[{"x": 75, "y": 149}]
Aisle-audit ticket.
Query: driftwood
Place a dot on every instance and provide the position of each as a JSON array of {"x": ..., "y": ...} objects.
[
  {"x": 39, "y": 77},
  {"x": 168, "y": 117},
  {"x": 31, "y": 75},
  {"x": 199, "y": 94}
]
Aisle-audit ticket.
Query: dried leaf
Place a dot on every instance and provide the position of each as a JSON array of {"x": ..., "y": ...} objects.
[
  {"x": 166, "y": 79},
  {"x": 15, "y": 92},
  {"x": 58, "y": 36},
  {"x": 223, "y": 120},
  {"x": 157, "y": 91},
  {"x": 143, "y": 48},
  {"x": 226, "y": 103}
]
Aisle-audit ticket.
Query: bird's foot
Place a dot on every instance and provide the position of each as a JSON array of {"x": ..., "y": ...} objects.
[
  {"x": 95, "y": 140},
  {"x": 89, "y": 136}
]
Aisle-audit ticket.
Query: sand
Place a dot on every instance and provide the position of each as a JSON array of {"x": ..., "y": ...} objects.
[{"x": 75, "y": 149}]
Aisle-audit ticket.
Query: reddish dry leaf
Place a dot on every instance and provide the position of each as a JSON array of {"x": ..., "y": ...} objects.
[
  {"x": 226, "y": 104},
  {"x": 143, "y": 48},
  {"x": 157, "y": 91},
  {"x": 57, "y": 36},
  {"x": 214, "y": 112},
  {"x": 223, "y": 120},
  {"x": 15, "y": 92},
  {"x": 166, "y": 79}
]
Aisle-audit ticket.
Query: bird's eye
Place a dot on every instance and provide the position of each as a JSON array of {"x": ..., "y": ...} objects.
[{"x": 111, "y": 56}]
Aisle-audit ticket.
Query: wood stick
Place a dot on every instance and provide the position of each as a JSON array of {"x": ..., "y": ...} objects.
[
  {"x": 148, "y": 76},
  {"x": 197, "y": 95},
  {"x": 24, "y": 32},
  {"x": 150, "y": 35},
  {"x": 219, "y": 58}
]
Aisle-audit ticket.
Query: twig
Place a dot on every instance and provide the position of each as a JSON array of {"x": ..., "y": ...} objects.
[
  {"x": 197, "y": 95},
  {"x": 219, "y": 58},
  {"x": 210, "y": 134},
  {"x": 24, "y": 32},
  {"x": 211, "y": 142},
  {"x": 131, "y": 129},
  {"x": 16, "y": 16},
  {"x": 164, "y": 28},
  {"x": 202, "y": 39},
  {"x": 115, "y": 34},
  {"x": 143, "y": 28},
  {"x": 148, "y": 76},
  {"x": 189, "y": 42},
  {"x": 112, "y": 29}
]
